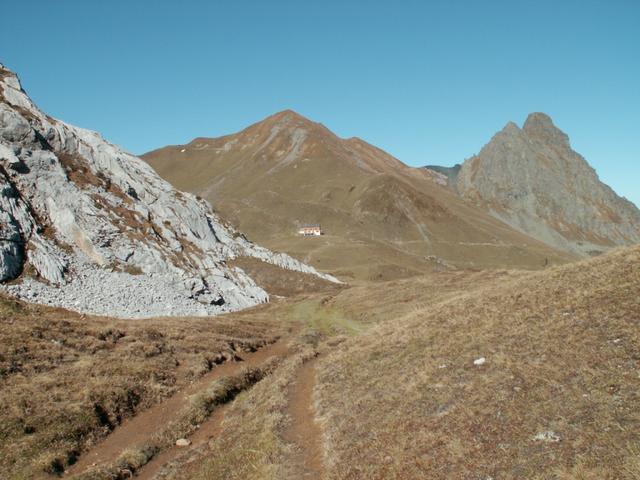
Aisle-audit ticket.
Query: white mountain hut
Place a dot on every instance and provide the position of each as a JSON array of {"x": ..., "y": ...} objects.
[{"x": 313, "y": 230}]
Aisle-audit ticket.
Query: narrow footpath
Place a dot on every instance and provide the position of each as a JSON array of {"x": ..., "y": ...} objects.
[
  {"x": 135, "y": 431},
  {"x": 304, "y": 432}
]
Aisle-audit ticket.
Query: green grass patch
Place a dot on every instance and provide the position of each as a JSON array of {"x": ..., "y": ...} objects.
[{"x": 324, "y": 319}]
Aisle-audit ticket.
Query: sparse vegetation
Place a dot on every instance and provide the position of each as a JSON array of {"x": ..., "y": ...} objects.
[
  {"x": 555, "y": 398},
  {"x": 132, "y": 269},
  {"x": 68, "y": 380},
  {"x": 382, "y": 219},
  {"x": 281, "y": 282},
  {"x": 398, "y": 394},
  {"x": 185, "y": 422},
  {"x": 250, "y": 445}
]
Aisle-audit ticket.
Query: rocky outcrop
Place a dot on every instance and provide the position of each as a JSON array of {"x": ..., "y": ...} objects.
[
  {"x": 87, "y": 226},
  {"x": 530, "y": 178},
  {"x": 444, "y": 175}
]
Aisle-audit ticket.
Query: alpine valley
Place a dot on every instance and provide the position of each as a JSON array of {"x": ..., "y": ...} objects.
[{"x": 162, "y": 317}]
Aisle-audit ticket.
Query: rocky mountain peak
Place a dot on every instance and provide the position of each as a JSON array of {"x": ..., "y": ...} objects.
[
  {"x": 532, "y": 179},
  {"x": 511, "y": 128},
  {"x": 288, "y": 119},
  {"x": 87, "y": 226},
  {"x": 540, "y": 126}
]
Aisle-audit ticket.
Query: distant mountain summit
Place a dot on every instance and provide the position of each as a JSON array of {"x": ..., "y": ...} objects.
[
  {"x": 382, "y": 219},
  {"x": 87, "y": 226},
  {"x": 530, "y": 178}
]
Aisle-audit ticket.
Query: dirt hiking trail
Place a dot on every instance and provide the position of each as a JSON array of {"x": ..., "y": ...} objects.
[
  {"x": 138, "y": 429},
  {"x": 209, "y": 430},
  {"x": 304, "y": 432}
]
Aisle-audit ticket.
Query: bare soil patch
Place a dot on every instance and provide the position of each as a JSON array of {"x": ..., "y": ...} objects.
[
  {"x": 136, "y": 431},
  {"x": 211, "y": 428},
  {"x": 304, "y": 431}
]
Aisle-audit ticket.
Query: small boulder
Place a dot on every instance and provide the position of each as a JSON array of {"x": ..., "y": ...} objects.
[
  {"x": 479, "y": 361},
  {"x": 548, "y": 436},
  {"x": 183, "y": 442}
]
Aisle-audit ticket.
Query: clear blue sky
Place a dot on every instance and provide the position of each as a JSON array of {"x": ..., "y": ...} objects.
[{"x": 428, "y": 81}]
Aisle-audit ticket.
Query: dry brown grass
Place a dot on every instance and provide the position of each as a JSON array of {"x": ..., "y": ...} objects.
[
  {"x": 281, "y": 282},
  {"x": 81, "y": 174},
  {"x": 183, "y": 424},
  {"x": 372, "y": 303},
  {"x": 397, "y": 391},
  {"x": 562, "y": 349},
  {"x": 67, "y": 380},
  {"x": 250, "y": 446}
]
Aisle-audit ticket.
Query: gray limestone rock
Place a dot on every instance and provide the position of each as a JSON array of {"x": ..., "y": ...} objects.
[
  {"x": 103, "y": 232},
  {"x": 531, "y": 179}
]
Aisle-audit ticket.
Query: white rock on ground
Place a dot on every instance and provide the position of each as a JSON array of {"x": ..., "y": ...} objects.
[
  {"x": 97, "y": 230},
  {"x": 548, "y": 436}
]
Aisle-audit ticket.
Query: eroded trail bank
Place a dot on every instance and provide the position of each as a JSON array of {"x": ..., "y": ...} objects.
[
  {"x": 135, "y": 434},
  {"x": 207, "y": 432}
]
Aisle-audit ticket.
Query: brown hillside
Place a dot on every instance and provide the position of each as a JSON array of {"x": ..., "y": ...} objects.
[
  {"x": 68, "y": 380},
  {"x": 395, "y": 392},
  {"x": 382, "y": 218},
  {"x": 380, "y": 377},
  {"x": 556, "y": 395}
]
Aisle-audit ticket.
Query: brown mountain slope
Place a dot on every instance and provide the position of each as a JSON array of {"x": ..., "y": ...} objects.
[
  {"x": 395, "y": 388},
  {"x": 382, "y": 218},
  {"x": 530, "y": 178},
  {"x": 530, "y": 376}
]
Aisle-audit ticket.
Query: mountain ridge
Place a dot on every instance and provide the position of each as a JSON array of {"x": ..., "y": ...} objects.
[{"x": 394, "y": 220}]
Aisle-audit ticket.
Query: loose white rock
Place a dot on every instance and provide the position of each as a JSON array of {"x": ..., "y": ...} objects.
[
  {"x": 104, "y": 233},
  {"x": 479, "y": 361},
  {"x": 547, "y": 436}
]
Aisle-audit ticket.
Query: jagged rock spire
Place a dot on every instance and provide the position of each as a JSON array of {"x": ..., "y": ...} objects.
[{"x": 532, "y": 179}]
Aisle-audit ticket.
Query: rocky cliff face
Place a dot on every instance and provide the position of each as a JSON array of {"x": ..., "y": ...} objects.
[
  {"x": 530, "y": 178},
  {"x": 87, "y": 226}
]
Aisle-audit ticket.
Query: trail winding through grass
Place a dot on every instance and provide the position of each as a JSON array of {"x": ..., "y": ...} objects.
[
  {"x": 134, "y": 432},
  {"x": 304, "y": 432}
]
